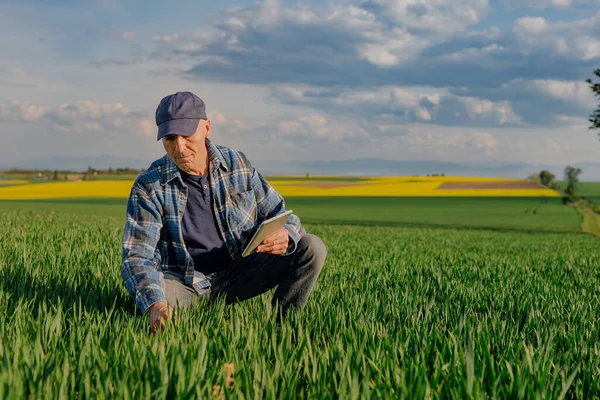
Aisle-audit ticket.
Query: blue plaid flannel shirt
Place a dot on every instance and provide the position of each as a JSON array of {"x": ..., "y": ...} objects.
[{"x": 152, "y": 239}]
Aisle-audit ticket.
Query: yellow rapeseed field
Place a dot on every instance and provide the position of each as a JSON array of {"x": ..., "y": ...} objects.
[
  {"x": 406, "y": 186},
  {"x": 57, "y": 190},
  {"x": 408, "y": 189},
  {"x": 13, "y": 182}
]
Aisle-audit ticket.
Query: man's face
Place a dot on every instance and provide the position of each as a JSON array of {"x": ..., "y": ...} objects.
[{"x": 189, "y": 152}]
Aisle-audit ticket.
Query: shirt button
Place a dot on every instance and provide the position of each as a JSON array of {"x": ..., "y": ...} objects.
[{"x": 205, "y": 187}]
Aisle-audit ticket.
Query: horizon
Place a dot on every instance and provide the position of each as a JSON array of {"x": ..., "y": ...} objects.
[{"x": 492, "y": 168}]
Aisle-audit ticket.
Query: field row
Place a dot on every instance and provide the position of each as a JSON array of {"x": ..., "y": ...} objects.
[
  {"x": 314, "y": 187},
  {"x": 499, "y": 213}
]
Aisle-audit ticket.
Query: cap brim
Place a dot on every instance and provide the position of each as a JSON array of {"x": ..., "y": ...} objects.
[{"x": 183, "y": 127}]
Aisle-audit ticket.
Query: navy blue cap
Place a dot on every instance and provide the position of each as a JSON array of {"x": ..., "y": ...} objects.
[{"x": 179, "y": 114}]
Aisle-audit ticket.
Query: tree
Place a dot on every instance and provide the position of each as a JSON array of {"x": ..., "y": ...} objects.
[
  {"x": 546, "y": 178},
  {"x": 55, "y": 175},
  {"x": 595, "y": 88},
  {"x": 572, "y": 178}
]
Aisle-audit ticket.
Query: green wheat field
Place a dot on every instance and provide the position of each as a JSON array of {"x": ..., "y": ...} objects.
[{"x": 415, "y": 301}]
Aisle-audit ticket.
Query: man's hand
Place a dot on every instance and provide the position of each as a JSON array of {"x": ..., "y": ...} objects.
[
  {"x": 159, "y": 313},
  {"x": 277, "y": 243}
]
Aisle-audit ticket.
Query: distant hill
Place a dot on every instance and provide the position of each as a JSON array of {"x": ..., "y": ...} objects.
[
  {"x": 374, "y": 166},
  {"x": 357, "y": 167},
  {"x": 78, "y": 163}
]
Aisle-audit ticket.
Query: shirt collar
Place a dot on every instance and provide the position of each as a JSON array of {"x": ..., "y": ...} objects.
[
  {"x": 215, "y": 155},
  {"x": 170, "y": 170}
]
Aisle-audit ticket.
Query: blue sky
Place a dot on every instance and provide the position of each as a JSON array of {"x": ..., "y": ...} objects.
[{"x": 454, "y": 80}]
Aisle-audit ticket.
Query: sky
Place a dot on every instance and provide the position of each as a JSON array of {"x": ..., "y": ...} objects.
[{"x": 449, "y": 80}]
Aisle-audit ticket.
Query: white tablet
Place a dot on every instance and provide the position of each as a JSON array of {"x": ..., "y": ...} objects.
[{"x": 266, "y": 229}]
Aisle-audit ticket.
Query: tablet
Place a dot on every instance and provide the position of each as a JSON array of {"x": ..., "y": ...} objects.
[{"x": 266, "y": 229}]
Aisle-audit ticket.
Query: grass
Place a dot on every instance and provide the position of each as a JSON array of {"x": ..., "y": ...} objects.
[
  {"x": 590, "y": 219},
  {"x": 527, "y": 214},
  {"x": 590, "y": 191},
  {"x": 102, "y": 207},
  {"x": 398, "y": 312}
]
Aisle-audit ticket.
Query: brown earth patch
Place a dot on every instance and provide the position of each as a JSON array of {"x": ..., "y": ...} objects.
[{"x": 489, "y": 185}]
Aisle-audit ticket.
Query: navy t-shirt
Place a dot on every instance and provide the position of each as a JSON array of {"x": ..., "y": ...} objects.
[{"x": 199, "y": 226}]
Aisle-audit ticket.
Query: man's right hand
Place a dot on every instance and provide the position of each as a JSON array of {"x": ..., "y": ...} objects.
[{"x": 159, "y": 313}]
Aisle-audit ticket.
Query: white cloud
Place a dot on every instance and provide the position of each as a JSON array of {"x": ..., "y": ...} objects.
[
  {"x": 394, "y": 33},
  {"x": 473, "y": 54},
  {"x": 390, "y": 48},
  {"x": 377, "y": 42},
  {"x": 447, "y": 16},
  {"x": 146, "y": 127},
  {"x": 423, "y": 114},
  {"x": 501, "y": 113},
  {"x": 128, "y": 35},
  {"x": 578, "y": 39},
  {"x": 21, "y": 111},
  {"x": 173, "y": 37},
  {"x": 567, "y": 91},
  {"x": 88, "y": 110},
  {"x": 540, "y": 102},
  {"x": 313, "y": 126},
  {"x": 405, "y": 104},
  {"x": 533, "y": 25},
  {"x": 543, "y": 4},
  {"x": 269, "y": 12},
  {"x": 439, "y": 143},
  {"x": 81, "y": 117},
  {"x": 483, "y": 140}
]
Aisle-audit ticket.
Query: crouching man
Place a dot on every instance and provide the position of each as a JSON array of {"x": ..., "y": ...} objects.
[{"x": 189, "y": 216}]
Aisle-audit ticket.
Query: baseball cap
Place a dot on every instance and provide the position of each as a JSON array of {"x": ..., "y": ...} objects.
[{"x": 179, "y": 114}]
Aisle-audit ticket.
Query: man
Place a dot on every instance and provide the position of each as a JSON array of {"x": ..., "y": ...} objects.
[{"x": 191, "y": 213}]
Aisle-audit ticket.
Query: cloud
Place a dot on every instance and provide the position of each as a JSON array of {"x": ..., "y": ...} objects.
[
  {"x": 274, "y": 43},
  {"x": 439, "y": 16},
  {"x": 484, "y": 142},
  {"x": 543, "y": 4},
  {"x": 87, "y": 116},
  {"x": 400, "y": 104},
  {"x": 82, "y": 117},
  {"x": 173, "y": 37},
  {"x": 313, "y": 126},
  {"x": 576, "y": 93},
  {"x": 128, "y": 35},
  {"x": 320, "y": 129},
  {"x": 376, "y": 43},
  {"x": 18, "y": 111},
  {"x": 541, "y": 101},
  {"x": 579, "y": 40}
]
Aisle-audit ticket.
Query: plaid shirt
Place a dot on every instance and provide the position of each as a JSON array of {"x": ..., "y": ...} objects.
[{"x": 153, "y": 241}]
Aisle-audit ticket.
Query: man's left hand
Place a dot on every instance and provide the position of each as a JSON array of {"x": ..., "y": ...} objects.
[{"x": 277, "y": 243}]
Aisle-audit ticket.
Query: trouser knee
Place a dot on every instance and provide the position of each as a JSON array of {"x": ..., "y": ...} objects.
[{"x": 313, "y": 251}]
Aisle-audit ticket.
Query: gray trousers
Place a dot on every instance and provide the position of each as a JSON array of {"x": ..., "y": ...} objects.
[{"x": 244, "y": 278}]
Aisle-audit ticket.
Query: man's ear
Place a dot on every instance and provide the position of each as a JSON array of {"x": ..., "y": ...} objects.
[{"x": 208, "y": 129}]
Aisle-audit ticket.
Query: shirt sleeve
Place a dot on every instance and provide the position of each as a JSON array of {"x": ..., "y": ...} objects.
[
  {"x": 141, "y": 267},
  {"x": 270, "y": 203}
]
